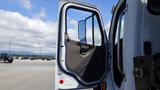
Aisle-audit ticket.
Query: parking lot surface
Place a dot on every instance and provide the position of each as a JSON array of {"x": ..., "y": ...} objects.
[{"x": 27, "y": 75}]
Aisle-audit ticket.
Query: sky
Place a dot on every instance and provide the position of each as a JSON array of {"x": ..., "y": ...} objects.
[{"x": 31, "y": 25}]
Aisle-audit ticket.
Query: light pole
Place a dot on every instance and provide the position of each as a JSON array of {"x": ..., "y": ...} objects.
[
  {"x": 40, "y": 51},
  {"x": 9, "y": 46}
]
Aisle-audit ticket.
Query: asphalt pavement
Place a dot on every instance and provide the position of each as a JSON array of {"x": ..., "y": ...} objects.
[{"x": 27, "y": 75}]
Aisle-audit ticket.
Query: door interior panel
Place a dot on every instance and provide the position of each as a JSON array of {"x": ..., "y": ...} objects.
[
  {"x": 75, "y": 61},
  {"x": 88, "y": 64}
]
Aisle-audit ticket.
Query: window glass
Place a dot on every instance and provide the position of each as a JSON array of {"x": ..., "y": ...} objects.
[
  {"x": 117, "y": 32},
  {"x": 83, "y": 27},
  {"x": 73, "y": 18},
  {"x": 120, "y": 29}
]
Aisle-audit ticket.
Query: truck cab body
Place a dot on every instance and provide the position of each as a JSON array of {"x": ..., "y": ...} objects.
[{"x": 128, "y": 59}]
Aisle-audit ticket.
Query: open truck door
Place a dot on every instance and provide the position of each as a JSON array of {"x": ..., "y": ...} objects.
[{"x": 82, "y": 47}]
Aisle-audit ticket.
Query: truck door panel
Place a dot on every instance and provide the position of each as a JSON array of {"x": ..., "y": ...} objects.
[
  {"x": 84, "y": 49},
  {"x": 86, "y": 66}
]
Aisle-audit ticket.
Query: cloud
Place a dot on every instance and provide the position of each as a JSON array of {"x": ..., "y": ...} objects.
[
  {"x": 41, "y": 14},
  {"x": 26, "y": 4},
  {"x": 26, "y": 33}
]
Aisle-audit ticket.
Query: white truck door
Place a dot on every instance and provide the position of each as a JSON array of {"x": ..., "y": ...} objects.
[{"x": 82, "y": 46}]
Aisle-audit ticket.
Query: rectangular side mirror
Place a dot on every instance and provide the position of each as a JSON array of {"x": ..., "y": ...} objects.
[{"x": 82, "y": 31}]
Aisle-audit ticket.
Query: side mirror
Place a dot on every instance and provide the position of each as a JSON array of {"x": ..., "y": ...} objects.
[{"x": 82, "y": 31}]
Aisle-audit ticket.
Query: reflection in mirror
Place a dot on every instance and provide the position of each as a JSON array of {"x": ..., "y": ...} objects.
[
  {"x": 97, "y": 33},
  {"x": 82, "y": 31},
  {"x": 89, "y": 33}
]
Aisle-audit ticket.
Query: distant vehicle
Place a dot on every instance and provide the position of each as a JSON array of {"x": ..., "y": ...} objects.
[
  {"x": 7, "y": 58},
  {"x": 25, "y": 57}
]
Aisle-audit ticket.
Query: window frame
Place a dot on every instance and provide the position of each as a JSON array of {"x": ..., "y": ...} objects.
[
  {"x": 119, "y": 38},
  {"x": 117, "y": 70},
  {"x": 119, "y": 8}
]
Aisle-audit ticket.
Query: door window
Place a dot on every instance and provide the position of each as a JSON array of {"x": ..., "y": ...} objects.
[
  {"x": 84, "y": 47},
  {"x": 118, "y": 51},
  {"x": 83, "y": 27}
]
